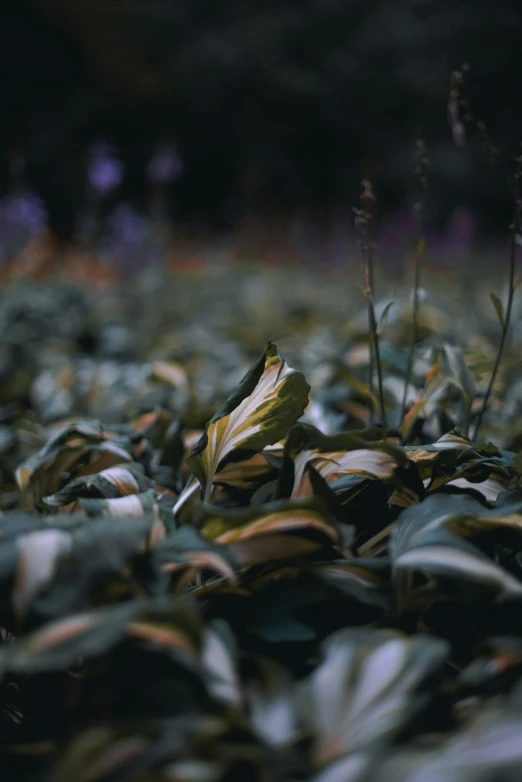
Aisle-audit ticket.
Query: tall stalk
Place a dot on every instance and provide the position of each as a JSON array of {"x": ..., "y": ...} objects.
[
  {"x": 374, "y": 333},
  {"x": 419, "y": 256},
  {"x": 422, "y": 180},
  {"x": 368, "y": 286},
  {"x": 464, "y": 124},
  {"x": 364, "y": 222},
  {"x": 506, "y": 317}
]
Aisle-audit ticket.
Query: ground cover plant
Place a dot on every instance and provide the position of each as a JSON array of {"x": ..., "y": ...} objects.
[{"x": 227, "y": 554}]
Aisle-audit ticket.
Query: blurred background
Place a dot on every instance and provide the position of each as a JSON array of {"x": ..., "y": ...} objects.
[
  {"x": 177, "y": 184},
  {"x": 249, "y": 119}
]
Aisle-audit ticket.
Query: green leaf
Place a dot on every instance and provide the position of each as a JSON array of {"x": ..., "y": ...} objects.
[
  {"x": 335, "y": 456},
  {"x": 186, "y": 553},
  {"x": 119, "y": 481},
  {"x": 425, "y": 542},
  {"x": 454, "y": 367},
  {"x": 499, "y": 308},
  {"x": 277, "y": 531},
  {"x": 269, "y": 399},
  {"x": 384, "y": 317},
  {"x": 362, "y": 691}
]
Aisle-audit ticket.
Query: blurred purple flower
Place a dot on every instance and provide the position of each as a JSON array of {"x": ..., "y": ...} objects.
[
  {"x": 126, "y": 235},
  {"x": 105, "y": 170},
  {"x": 165, "y": 165},
  {"x": 25, "y": 210},
  {"x": 22, "y": 217}
]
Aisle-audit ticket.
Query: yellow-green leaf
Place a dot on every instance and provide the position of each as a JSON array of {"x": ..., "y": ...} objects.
[{"x": 266, "y": 403}]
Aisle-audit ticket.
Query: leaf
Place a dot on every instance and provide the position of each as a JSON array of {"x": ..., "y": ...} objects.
[
  {"x": 172, "y": 373},
  {"x": 499, "y": 309},
  {"x": 39, "y": 555},
  {"x": 59, "y": 644},
  {"x": 452, "y": 463},
  {"x": 269, "y": 399},
  {"x": 454, "y": 368},
  {"x": 489, "y": 488},
  {"x": 132, "y": 505},
  {"x": 246, "y": 473},
  {"x": 275, "y": 518},
  {"x": 438, "y": 451},
  {"x": 362, "y": 690},
  {"x": 118, "y": 481},
  {"x": 488, "y": 748},
  {"x": 186, "y": 552},
  {"x": 434, "y": 386},
  {"x": 277, "y": 531},
  {"x": 220, "y": 660},
  {"x": 423, "y": 542},
  {"x": 58, "y": 570},
  {"x": 80, "y": 448},
  {"x": 271, "y": 706},
  {"x": 358, "y": 578},
  {"x": 352, "y": 768},
  {"x": 384, "y": 317},
  {"x": 360, "y": 387},
  {"x": 188, "y": 493},
  {"x": 335, "y": 456}
]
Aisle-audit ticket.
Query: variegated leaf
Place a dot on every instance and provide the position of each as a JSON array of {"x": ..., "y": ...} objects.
[
  {"x": 425, "y": 543},
  {"x": 361, "y": 693},
  {"x": 235, "y": 527},
  {"x": 338, "y": 455},
  {"x": 269, "y": 399},
  {"x": 118, "y": 481}
]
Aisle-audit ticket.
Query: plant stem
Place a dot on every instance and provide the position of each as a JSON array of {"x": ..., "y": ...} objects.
[
  {"x": 419, "y": 254},
  {"x": 368, "y": 273},
  {"x": 509, "y": 304},
  {"x": 374, "y": 336}
]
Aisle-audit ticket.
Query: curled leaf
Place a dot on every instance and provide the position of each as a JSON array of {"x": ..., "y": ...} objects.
[{"x": 269, "y": 399}]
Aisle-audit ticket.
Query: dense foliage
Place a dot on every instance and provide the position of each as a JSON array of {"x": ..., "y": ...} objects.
[{"x": 215, "y": 566}]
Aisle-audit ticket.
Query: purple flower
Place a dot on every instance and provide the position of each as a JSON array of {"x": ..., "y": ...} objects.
[
  {"x": 105, "y": 170},
  {"x": 22, "y": 217},
  {"x": 126, "y": 235},
  {"x": 165, "y": 165},
  {"x": 24, "y": 210}
]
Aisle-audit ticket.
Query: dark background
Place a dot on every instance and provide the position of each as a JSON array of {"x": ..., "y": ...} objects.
[{"x": 274, "y": 105}]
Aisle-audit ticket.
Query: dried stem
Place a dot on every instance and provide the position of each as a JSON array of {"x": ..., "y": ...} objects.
[
  {"x": 419, "y": 255},
  {"x": 368, "y": 275},
  {"x": 514, "y": 229},
  {"x": 463, "y": 123},
  {"x": 364, "y": 217},
  {"x": 376, "y": 351},
  {"x": 420, "y": 174}
]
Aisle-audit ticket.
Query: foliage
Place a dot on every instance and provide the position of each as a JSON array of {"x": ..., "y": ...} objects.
[{"x": 270, "y": 587}]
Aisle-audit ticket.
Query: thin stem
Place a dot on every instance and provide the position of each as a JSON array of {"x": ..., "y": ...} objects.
[
  {"x": 364, "y": 219},
  {"x": 419, "y": 254},
  {"x": 208, "y": 493},
  {"x": 509, "y": 304},
  {"x": 374, "y": 336},
  {"x": 368, "y": 272}
]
